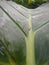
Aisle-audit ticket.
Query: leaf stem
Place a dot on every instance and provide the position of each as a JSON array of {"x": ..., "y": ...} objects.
[{"x": 30, "y": 51}]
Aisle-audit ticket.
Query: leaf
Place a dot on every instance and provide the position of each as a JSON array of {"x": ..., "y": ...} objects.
[{"x": 13, "y": 35}]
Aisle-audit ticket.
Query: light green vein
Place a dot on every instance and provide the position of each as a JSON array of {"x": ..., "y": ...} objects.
[{"x": 40, "y": 27}]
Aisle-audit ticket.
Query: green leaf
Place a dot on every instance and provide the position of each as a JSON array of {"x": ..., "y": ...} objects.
[{"x": 12, "y": 36}]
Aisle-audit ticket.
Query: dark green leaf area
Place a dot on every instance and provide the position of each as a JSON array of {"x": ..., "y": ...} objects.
[
  {"x": 19, "y": 55},
  {"x": 3, "y": 56},
  {"x": 42, "y": 44},
  {"x": 17, "y": 50}
]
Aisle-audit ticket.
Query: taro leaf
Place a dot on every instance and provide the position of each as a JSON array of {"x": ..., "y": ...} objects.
[{"x": 9, "y": 31}]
